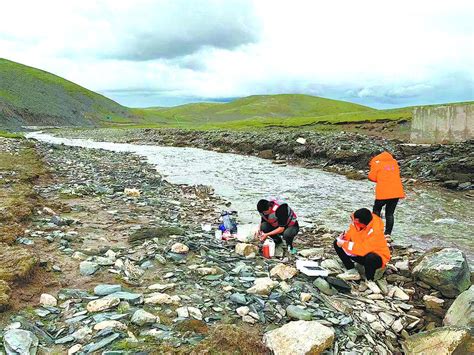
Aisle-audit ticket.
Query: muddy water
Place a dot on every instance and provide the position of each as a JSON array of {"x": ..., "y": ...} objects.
[{"x": 426, "y": 218}]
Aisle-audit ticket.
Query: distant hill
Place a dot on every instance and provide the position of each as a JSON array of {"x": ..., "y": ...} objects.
[
  {"x": 33, "y": 97},
  {"x": 29, "y": 96},
  {"x": 260, "y": 106}
]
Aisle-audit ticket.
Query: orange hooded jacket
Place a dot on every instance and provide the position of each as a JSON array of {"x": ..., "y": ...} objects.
[
  {"x": 384, "y": 171},
  {"x": 371, "y": 239}
]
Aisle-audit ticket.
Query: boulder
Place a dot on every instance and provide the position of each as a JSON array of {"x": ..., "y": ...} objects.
[
  {"x": 299, "y": 337},
  {"x": 141, "y": 317},
  {"x": 440, "y": 341},
  {"x": 266, "y": 154},
  {"x": 461, "y": 312},
  {"x": 16, "y": 262},
  {"x": 446, "y": 270},
  {"x": 19, "y": 341},
  {"x": 284, "y": 272},
  {"x": 179, "y": 248},
  {"x": 263, "y": 286},
  {"x": 247, "y": 250}
]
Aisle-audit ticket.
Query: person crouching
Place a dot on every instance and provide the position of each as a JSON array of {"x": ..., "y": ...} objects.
[
  {"x": 364, "y": 243},
  {"x": 278, "y": 220}
]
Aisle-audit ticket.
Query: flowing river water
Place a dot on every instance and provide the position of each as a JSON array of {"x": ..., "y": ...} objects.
[{"x": 428, "y": 217}]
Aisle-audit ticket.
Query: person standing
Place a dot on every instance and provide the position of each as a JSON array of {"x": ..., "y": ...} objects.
[
  {"x": 363, "y": 243},
  {"x": 278, "y": 220},
  {"x": 385, "y": 172}
]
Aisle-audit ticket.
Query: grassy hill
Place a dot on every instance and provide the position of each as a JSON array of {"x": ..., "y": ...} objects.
[
  {"x": 33, "y": 97},
  {"x": 29, "y": 96}
]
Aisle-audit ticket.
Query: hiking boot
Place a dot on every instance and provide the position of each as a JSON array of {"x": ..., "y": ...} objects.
[{"x": 350, "y": 275}]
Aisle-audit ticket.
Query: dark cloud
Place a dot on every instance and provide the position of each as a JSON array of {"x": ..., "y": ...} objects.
[{"x": 174, "y": 29}]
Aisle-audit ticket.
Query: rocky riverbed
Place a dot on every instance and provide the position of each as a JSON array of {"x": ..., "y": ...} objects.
[
  {"x": 450, "y": 165},
  {"x": 124, "y": 265}
]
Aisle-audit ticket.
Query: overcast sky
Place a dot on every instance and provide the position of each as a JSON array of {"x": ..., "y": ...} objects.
[{"x": 166, "y": 52}]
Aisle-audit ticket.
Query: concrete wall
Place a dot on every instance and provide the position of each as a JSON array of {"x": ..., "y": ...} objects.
[{"x": 442, "y": 124}]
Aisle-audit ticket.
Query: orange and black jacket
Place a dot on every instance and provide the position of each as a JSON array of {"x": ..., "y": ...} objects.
[
  {"x": 371, "y": 239},
  {"x": 384, "y": 171}
]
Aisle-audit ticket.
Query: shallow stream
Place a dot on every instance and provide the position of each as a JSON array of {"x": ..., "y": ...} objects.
[{"x": 426, "y": 218}]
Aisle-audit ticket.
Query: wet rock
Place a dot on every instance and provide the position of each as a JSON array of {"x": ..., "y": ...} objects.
[
  {"x": 284, "y": 272},
  {"x": 461, "y": 312},
  {"x": 446, "y": 270},
  {"x": 445, "y": 340},
  {"x": 17, "y": 263},
  {"x": 106, "y": 289},
  {"x": 262, "y": 286},
  {"x": 102, "y": 304},
  {"x": 19, "y": 341},
  {"x": 179, "y": 248},
  {"x": 158, "y": 232},
  {"x": 247, "y": 250},
  {"x": 323, "y": 286},
  {"x": 87, "y": 268},
  {"x": 142, "y": 317},
  {"x": 299, "y": 337},
  {"x": 296, "y": 312},
  {"x": 48, "y": 300}
]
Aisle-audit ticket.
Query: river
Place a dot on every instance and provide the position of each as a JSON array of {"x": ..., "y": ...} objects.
[{"x": 427, "y": 217}]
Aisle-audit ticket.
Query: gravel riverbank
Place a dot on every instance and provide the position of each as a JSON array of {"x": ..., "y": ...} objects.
[{"x": 135, "y": 271}]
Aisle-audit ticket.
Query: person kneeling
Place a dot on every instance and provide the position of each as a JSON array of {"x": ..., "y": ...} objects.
[{"x": 364, "y": 243}]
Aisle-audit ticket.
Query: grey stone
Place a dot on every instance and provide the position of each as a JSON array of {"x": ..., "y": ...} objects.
[
  {"x": 19, "y": 341},
  {"x": 239, "y": 298},
  {"x": 323, "y": 286},
  {"x": 446, "y": 270},
  {"x": 296, "y": 312},
  {"x": 106, "y": 289},
  {"x": 87, "y": 268},
  {"x": 132, "y": 298},
  {"x": 461, "y": 312}
]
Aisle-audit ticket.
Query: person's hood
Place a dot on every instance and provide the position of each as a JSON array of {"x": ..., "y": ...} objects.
[{"x": 385, "y": 156}]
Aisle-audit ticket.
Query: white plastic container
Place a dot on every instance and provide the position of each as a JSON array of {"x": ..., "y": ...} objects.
[{"x": 269, "y": 248}]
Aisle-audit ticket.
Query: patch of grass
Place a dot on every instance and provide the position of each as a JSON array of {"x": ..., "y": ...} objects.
[
  {"x": 17, "y": 197},
  {"x": 6, "y": 134},
  {"x": 192, "y": 325}
]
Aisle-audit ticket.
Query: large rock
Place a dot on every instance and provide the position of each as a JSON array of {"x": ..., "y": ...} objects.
[
  {"x": 284, "y": 272},
  {"x": 461, "y": 312},
  {"x": 247, "y": 250},
  {"x": 446, "y": 270},
  {"x": 263, "y": 286},
  {"x": 15, "y": 262},
  {"x": 298, "y": 338},
  {"x": 19, "y": 341},
  {"x": 440, "y": 341}
]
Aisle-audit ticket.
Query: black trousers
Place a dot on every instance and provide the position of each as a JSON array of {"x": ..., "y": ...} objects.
[
  {"x": 390, "y": 206},
  {"x": 371, "y": 261},
  {"x": 288, "y": 235}
]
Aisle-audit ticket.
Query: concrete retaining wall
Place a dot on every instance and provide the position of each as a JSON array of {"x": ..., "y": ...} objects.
[{"x": 442, "y": 124}]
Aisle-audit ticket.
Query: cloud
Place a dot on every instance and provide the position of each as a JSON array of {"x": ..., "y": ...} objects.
[{"x": 370, "y": 52}]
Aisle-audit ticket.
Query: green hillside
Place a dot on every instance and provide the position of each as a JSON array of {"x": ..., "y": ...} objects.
[
  {"x": 29, "y": 96},
  {"x": 260, "y": 106}
]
